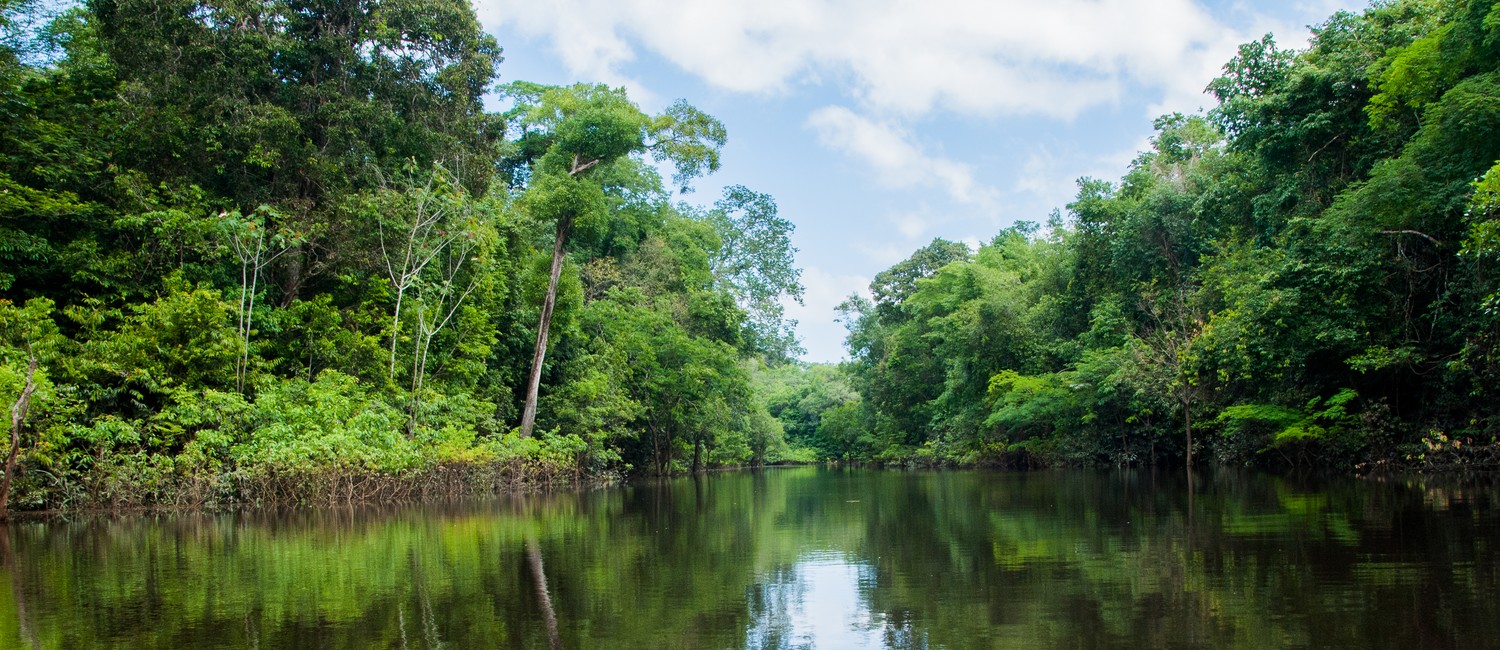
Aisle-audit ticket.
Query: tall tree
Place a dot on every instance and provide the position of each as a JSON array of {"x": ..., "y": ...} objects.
[
  {"x": 755, "y": 262},
  {"x": 575, "y": 133},
  {"x": 294, "y": 104}
]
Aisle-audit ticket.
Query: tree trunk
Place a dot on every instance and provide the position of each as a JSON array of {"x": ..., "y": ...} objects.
[
  {"x": 396, "y": 327},
  {"x": 1187, "y": 418},
  {"x": 17, "y": 418},
  {"x": 528, "y": 414},
  {"x": 294, "y": 276},
  {"x": 697, "y": 456}
]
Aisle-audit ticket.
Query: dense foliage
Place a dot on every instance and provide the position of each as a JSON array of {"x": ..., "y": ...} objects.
[
  {"x": 282, "y": 251},
  {"x": 1303, "y": 276}
]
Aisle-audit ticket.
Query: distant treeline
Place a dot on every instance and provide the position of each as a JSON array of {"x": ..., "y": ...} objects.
[
  {"x": 279, "y": 252},
  {"x": 1307, "y": 275}
]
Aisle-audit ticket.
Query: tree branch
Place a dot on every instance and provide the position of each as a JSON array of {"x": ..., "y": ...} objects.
[
  {"x": 1423, "y": 235},
  {"x": 579, "y": 169}
]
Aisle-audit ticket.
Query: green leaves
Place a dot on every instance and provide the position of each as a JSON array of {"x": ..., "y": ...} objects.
[
  {"x": 1255, "y": 269},
  {"x": 274, "y": 230},
  {"x": 1318, "y": 423},
  {"x": 558, "y": 197},
  {"x": 1413, "y": 77},
  {"x": 573, "y": 130},
  {"x": 583, "y": 126},
  {"x": 299, "y": 426},
  {"x": 690, "y": 140},
  {"x": 676, "y": 388},
  {"x": 319, "y": 98},
  {"x": 755, "y": 262}
]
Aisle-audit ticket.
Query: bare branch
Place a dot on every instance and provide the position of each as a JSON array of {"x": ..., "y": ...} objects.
[
  {"x": 579, "y": 169},
  {"x": 1325, "y": 146},
  {"x": 1413, "y": 232}
]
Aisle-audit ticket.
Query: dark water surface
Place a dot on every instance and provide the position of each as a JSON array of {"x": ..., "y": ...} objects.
[{"x": 790, "y": 559}]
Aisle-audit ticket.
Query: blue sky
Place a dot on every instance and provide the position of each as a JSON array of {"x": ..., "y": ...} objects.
[{"x": 881, "y": 124}]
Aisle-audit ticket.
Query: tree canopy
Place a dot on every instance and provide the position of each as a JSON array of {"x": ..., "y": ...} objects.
[
  {"x": 1302, "y": 276},
  {"x": 256, "y": 250}
]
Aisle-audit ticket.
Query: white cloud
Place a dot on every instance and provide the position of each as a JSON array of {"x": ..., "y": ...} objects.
[
  {"x": 895, "y": 156},
  {"x": 823, "y": 291},
  {"x": 1053, "y": 58},
  {"x": 1114, "y": 164},
  {"x": 911, "y": 225},
  {"x": 1043, "y": 176},
  {"x": 884, "y": 254},
  {"x": 1048, "y": 179}
]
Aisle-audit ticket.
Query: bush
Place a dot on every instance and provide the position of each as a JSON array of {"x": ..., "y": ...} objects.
[{"x": 301, "y": 426}]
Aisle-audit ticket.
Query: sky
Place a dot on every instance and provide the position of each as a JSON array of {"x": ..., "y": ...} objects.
[{"x": 879, "y": 125}]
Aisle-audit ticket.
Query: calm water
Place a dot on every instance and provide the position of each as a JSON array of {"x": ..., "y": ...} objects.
[{"x": 791, "y": 559}]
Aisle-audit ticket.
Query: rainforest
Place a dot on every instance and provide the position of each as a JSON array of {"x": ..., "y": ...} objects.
[{"x": 258, "y": 253}]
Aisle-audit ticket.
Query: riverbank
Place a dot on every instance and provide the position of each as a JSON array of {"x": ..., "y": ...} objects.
[
  {"x": 511, "y": 465},
  {"x": 120, "y": 482},
  {"x": 1436, "y": 454},
  {"x": 125, "y": 484}
]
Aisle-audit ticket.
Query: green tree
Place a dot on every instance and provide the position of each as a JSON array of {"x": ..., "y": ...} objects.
[
  {"x": 755, "y": 262},
  {"x": 28, "y": 336},
  {"x": 580, "y": 132}
]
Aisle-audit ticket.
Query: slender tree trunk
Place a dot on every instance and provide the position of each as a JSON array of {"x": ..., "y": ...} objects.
[
  {"x": 528, "y": 414},
  {"x": 17, "y": 419},
  {"x": 239, "y": 383},
  {"x": 655, "y": 450},
  {"x": 396, "y": 327},
  {"x": 244, "y": 369},
  {"x": 1187, "y": 418},
  {"x": 417, "y": 363}
]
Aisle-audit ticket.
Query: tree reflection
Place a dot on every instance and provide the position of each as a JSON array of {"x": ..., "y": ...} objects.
[{"x": 789, "y": 559}]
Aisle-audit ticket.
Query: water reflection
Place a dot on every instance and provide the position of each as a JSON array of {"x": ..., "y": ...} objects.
[
  {"x": 816, "y": 603},
  {"x": 804, "y": 558}
]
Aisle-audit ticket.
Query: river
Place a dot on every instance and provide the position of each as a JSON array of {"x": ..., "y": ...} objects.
[{"x": 791, "y": 558}]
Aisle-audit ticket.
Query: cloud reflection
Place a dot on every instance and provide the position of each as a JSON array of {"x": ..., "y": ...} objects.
[{"x": 816, "y": 603}]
